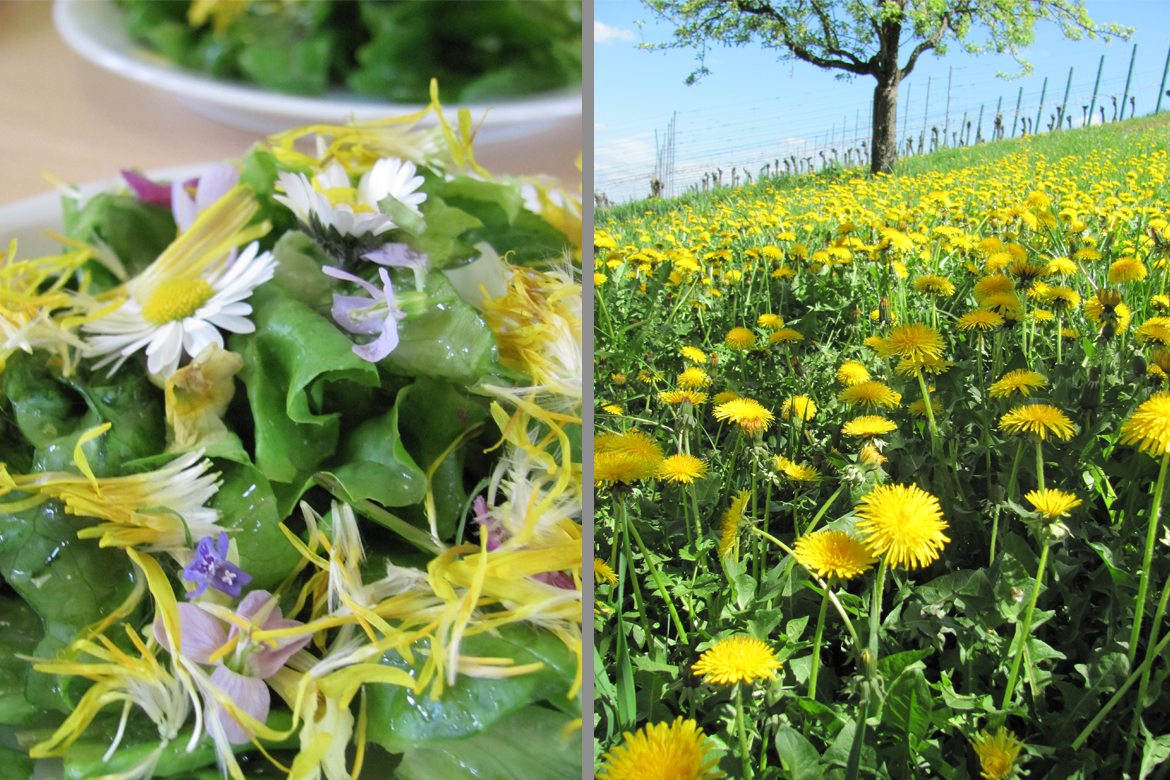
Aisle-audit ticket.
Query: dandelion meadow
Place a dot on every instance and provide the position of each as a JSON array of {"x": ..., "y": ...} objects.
[{"x": 879, "y": 492}]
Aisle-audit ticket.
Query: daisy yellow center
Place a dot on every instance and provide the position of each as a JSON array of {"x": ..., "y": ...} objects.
[
  {"x": 347, "y": 196},
  {"x": 176, "y": 299}
]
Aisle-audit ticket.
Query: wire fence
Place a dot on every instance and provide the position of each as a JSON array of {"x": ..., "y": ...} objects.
[{"x": 761, "y": 141}]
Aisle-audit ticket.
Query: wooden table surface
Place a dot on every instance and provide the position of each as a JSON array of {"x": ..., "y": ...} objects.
[{"x": 63, "y": 116}]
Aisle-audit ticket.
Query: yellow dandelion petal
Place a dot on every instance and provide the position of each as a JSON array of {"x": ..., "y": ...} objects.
[
  {"x": 852, "y": 373},
  {"x": 800, "y": 406},
  {"x": 746, "y": 413},
  {"x": 729, "y": 528},
  {"x": 871, "y": 393},
  {"x": 770, "y": 321},
  {"x": 1149, "y": 426},
  {"x": 1053, "y": 503},
  {"x": 833, "y": 554},
  {"x": 998, "y": 754},
  {"x": 603, "y": 573},
  {"x": 694, "y": 378},
  {"x": 934, "y": 285},
  {"x": 737, "y": 659},
  {"x": 740, "y": 338},
  {"x": 1019, "y": 381},
  {"x": 871, "y": 425},
  {"x": 724, "y": 397},
  {"x": 784, "y": 336},
  {"x": 979, "y": 320},
  {"x": 902, "y": 522},
  {"x": 1127, "y": 269},
  {"x": 677, "y": 751},
  {"x": 914, "y": 341},
  {"x": 682, "y": 468},
  {"x": 694, "y": 354},
  {"x": 1040, "y": 419}
]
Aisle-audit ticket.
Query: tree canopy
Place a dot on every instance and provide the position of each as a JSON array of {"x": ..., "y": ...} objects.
[{"x": 879, "y": 39}]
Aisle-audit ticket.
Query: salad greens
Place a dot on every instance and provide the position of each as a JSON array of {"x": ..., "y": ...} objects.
[
  {"x": 478, "y": 51},
  {"x": 290, "y": 481}
]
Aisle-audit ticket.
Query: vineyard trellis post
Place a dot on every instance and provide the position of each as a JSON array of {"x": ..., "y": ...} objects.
[
  {"x": 1162, "y": 86},
  {"x": 979, "y": 124},
  {"x": 1039, "y": 111},
  {"x": 1064, "y": 103},
  {"x": 998, "y": 125},
  {"x": 1096, "y": 86},
  {"x": 925, "y": 116},
  {"x": 1017, "y": 118},
  {"x": 947, "y": 118},
  {"x": 906, "y": 113},
  {"x": 1129, "y": 76}
]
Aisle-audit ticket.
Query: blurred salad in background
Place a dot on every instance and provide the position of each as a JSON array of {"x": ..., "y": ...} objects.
[{"x": 482, "y": 50}]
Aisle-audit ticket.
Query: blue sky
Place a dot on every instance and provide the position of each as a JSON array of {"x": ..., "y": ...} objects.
[{"x": 753, "y": 109}]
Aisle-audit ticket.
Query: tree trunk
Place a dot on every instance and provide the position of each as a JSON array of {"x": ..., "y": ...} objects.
[{"x": 885, "y": 101}]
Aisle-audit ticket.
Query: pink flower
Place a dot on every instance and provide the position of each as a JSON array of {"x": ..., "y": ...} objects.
[{"x": 241, "y": 673}]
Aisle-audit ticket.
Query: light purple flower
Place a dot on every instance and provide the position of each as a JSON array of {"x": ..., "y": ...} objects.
[
  {"x": 402, "y": 256},
  {"x": 241, "y": 674},
  {"x": 149, "y": 191},
  {"x": 367, "y": 316},
  {"x": 215, "y": 182},
  {"x": 211, "y": 567}
]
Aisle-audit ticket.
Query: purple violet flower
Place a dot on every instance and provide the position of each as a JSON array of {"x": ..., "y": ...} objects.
[
  {"x": 211, "y": 567},
  {"x": 240, "y": 674},
  {"x": 367, "y": 316},
  {"x": 402, "y": 256}
]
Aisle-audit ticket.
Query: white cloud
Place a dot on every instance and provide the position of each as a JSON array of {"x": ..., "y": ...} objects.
[
  {"x": 625, "y": 156},
  {"x": 599, "y": 128},
  {"x": 603, "y": 33}
]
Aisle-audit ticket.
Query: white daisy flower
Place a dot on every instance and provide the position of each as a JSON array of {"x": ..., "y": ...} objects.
[
  {"x": 182, "y": 314},
  {"x": 352, "y": 211}
]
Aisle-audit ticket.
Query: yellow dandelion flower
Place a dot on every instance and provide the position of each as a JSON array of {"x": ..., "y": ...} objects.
[
  {"x": 801, "y": 406},
  {"x": 724, "y": 397},
  {"x": 1019, "y": 381},
  {"x": 694, "y": 378},
  {"x": 833, "y": 554},
  {"x": 603, "y": 573},
  {"x": 871, "y": 456},
  {"x": 1061, "y": 266},
  {"x": 874, "y": 342},
  {"x": 871, "y": 425},
  {"x": 617, "y": 379},
  {"x": 995, "y": 284},
  {"x": 1127, "y": 269},
  {"x": 852, "y": 373},
  {"x": 918, "y": 408},
  {"x": 998, "y": 754},
  {"x": 694, "y": 354},
  {"x": 1087, "y": 254},
  {"x": 671, "y": 396},
  {"x": 737, "y": 659},
  {"x": 1149, "y": 426},
  {"x": 770, "y": 321},
  {"x": 796, "y": 472},
  {"x": 936, "y": 366},
  {"x": 1040, "y": 419},
  {"x": 1160, "y": 302},
  {"x": 914, "y": 341},
  {"x": 677, "y": 751},
  {"x": 740, "y": 338},
  {"x": 729, "y": 528},
  {"x": 599, "y": 278},
  {"x": 903, "y": 523},
  {"x": 1007, "y": 304},
  {"x": 783, "y": 336},
  {"x": 871, "y": 393},
  {"x": 1053, "y": 503},
  {"x": 932, "y": 284},
  {"x": 979, "y": 320},
  {"x": 614, "y": 409},
  {"x": 746, "y": 413},
  {"x": 694, "y": 396},
  {"x": 625, "y": 457},
  {"x": 1062, "y": 298},
  {"x": 682, "y": 468}
]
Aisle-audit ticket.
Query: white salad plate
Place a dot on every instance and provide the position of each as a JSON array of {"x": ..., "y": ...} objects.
[{"x": 94, "y": 29}]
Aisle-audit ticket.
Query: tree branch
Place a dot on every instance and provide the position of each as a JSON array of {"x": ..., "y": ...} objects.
[
  {"x": 801, "y": 52},
  {"x": 930, "y": 43}
]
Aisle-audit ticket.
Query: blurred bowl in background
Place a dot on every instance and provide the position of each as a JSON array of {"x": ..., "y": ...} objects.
[{"x": 94, "y": 29}]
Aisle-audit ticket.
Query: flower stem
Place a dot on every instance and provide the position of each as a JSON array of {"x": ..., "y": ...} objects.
[
  {"x": 739, "y": 725},
  {"x": 1025, "y": 629},
  {"x": 1116, "y": 697},
  {"x": 1147, "y": 662},
  {"x": 875, "y": 611},
  {"x": 836, "y": 604},
  {"x": 1012, "y": 487},
  {"x": 1039, "y": 463},
  {"x": 682, "y": 632},
  {"x": 934, "y": 445},
  {"x": 816, "y": 650},
  {"x": 1147, "y": 559},
  {"x": 608, "y": 321},
  {"x": 638, "y": 602}
]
